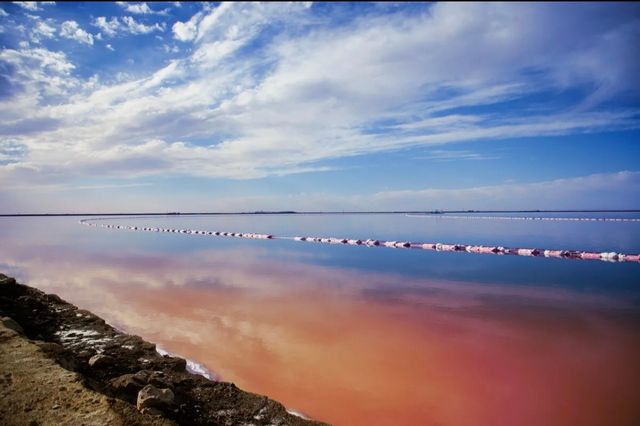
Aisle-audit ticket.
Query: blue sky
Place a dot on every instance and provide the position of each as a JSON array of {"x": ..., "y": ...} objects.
[{"x": 311, "y": 106}]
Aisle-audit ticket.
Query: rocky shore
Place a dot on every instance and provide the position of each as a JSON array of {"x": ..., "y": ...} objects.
[{"x": 64, "y": 365}]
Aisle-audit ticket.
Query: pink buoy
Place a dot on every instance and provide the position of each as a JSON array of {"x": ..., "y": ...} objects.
[
  {"x": 589, "y": 255},
  {"x": 487, "y": 250},
  {"x": 609, "y": 256},
  {"x": 571, "y": 254},
  {"x": 525, "y": 252}
]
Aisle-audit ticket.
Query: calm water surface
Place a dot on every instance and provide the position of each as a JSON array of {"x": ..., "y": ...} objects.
[{"x": 362, "y": 336}]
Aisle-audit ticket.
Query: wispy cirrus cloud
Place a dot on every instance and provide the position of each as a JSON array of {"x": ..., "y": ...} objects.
[
  {"x": 620, "y": 189},
  {"x": 455, "y": 155},
  {"x": 581, "y": 192},
  {"x": 264, "y": 90}
]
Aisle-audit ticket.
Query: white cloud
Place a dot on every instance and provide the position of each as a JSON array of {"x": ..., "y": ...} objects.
[
  {"x": 108, "y": 46},
  {"x": 3, "y": 14},
  {"x": 29, "y": 5},
  {"x": 41, "y": 73},
  {"x": 71, "y": 30},
  {"x": 187, "y": 31},
  {"x": 608, "y": 190},
  {"x": 109, "y": 27},
  {"x": 33, "y": 5},
  {"x": 140, "y": 8},
  {"x": 135, "y": 27},
  {"x": 126, "y": 25},
  {"x": 305, "y": 97},
  {"x": 42, "y": 30},
  {"x": 620, "y": 190}
]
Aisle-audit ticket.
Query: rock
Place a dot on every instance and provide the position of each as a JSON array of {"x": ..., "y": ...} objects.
[
  {"x": 174, "y": 363},
  {"x": 55, "y": 298},
  {"x": 152, "y": 412},
  {"x": 85, "y": 354},
  {"x": 98, "y": 361},
  {"x": 152, "y": 397},
  {"x": 62, "y": 356},
  {"x": 10, "y": 323},
  {"x": 7, "y": 280},
  {"x": 130, "y": 383},
  {"x": 159, "y": 380}
]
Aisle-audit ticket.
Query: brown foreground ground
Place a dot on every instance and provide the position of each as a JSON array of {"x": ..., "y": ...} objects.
[{"x": 63, "y": 365}]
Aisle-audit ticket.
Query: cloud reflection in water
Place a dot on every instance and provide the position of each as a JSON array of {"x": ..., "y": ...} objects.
[{"x": 353, "y": 347}]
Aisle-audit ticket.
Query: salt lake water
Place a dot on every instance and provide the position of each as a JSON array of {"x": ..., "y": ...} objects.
[{"x": 367, "y": 335}]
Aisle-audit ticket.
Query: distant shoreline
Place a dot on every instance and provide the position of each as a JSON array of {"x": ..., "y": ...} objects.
[{"x": 312, "y": 212}]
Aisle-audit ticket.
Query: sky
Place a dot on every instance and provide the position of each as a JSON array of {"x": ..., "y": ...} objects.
[{"x": 169, "y": 106}]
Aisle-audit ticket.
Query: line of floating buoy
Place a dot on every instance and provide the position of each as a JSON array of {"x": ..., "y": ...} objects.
[
  {"x": 546, "y": 219},
  {"x": 499, "y": 250},
  {"x": 178, "y": 231}
]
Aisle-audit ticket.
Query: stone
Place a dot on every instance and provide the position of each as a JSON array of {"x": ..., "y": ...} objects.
[
  {"x": 130, "y": 383},
  {"x": 158, "y": 379},
  {"x": 152, "y": 412},
  {"x": 100, "y": 360},
  {"x": 85, "y": 354},
  {"x": 55, "y": 298},
  {"x": 7, "y": 280},
  {"x": 10, "y": 323},
  {"x": 152, "y": 397}
]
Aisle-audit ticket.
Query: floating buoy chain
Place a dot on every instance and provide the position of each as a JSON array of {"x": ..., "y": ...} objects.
[{"x": 499, "y": 250}]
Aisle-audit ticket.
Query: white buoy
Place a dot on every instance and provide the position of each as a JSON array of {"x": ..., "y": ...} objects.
[{"x": 564, "y": 254}]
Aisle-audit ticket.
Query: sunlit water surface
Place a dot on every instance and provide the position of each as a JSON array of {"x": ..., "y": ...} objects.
[{"x": 365, "y": 336}]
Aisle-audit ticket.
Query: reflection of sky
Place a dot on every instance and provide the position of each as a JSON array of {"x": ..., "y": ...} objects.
[
  {"x": 356, "y": 345},
  {"x": 620, "y": 237}
]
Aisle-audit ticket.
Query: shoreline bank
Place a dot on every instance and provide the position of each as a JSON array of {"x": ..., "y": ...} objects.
[{"x": 122, "y": 368}]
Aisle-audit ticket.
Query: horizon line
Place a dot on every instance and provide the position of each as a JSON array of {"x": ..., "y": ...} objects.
[{"x": 260, "y": 212}]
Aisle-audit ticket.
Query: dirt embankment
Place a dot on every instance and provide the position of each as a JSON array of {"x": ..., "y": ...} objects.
[{"x": 63, "y": 365}]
